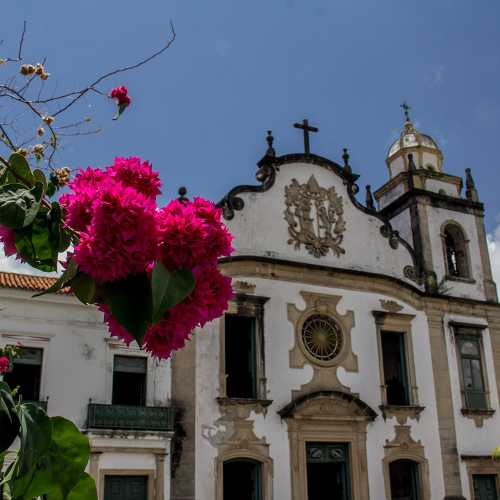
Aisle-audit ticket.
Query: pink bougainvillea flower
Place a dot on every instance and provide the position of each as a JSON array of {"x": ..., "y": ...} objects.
[
  {"x": 121, "y": 95},
  {"x": 8, "y": 238},
  {"x": 192, "y": 233},
  {"x": 208, "y": 301},
  {"x": 121, "y": 238},
  {"x": 136, "y": 173},
  {"x": 4, "y": 364},
  {"x": 85, "y": 188}
]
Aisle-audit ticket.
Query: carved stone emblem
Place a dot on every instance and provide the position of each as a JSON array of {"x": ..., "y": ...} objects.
[{"x": 315, "y": 217}]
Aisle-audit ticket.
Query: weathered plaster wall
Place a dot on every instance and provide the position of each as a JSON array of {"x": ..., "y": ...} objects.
[
  {"x": 260, "y": 228},
  {"x": 279, "y": 339}
]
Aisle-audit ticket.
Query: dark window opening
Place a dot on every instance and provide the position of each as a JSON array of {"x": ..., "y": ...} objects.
[
  {"x": 404, "y": 478},
  {"x": 456, "y": 252},
  {"x": 485, "y": 487},
  {"x": 125, "y": 487},
  {"x": 26, "y": 374},
  {"x": 328, "y": 471},
  {"x": 242, "y": 480},
  {"x": 395, "y": 371},
  {"x": 129, "y": 381},
  {"x": 240, "y": 356},
  {"x": 472, "y": 372}
]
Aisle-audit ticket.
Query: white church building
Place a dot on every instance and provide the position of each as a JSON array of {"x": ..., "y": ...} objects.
[{"x": 359, "y": 360}]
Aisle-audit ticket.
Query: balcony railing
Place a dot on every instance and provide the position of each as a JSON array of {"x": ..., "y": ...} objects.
[{"x": 138, "y": 418}]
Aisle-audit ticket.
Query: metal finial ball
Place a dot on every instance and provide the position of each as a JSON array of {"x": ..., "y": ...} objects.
[{"x": 182, "y": 191}]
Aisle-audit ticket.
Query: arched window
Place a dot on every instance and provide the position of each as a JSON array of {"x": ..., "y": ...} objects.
[
  {"x": 456, "y": 257},
  {"x": 242, "y": 479},
  {"x": 404, "y": 476}
]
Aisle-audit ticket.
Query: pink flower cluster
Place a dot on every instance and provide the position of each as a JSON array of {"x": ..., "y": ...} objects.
[
  {"x": 122, "y": 232},
  {"x": 121, "y": 95},
  {"x": 8, "y": 238},
  {"x": 4, "y": 364}
]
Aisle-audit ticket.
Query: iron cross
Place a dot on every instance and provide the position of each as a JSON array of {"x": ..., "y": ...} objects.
[
  {"x": 306, "y": 128},
  {"x": 406, "y": 110}
]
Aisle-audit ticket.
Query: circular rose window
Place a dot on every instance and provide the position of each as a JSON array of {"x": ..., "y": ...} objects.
[{"x": 322, "y": 337}]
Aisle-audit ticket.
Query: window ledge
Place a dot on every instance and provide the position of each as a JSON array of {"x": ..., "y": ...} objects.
[
  {"x": 479, "y": 415},
  {"x": 402, "y": 413},
  {"x": 249, "y": 404},
  {"x": 459, "y": 279}
]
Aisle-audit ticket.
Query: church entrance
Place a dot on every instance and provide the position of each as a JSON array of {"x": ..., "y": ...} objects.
[{"x": 328, "y": 471}]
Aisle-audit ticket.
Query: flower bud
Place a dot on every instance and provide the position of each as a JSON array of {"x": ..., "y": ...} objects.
[
  {"x": 49, "y": 120},
  {"x": 44, "y": 75},
  {"x": 39, "y": 69},
  {"x": 61, "y": 176},
  {"x": 2, "y": 60},
  {"x": 38, "y": 149},
  {"x": 22, "y": 151},
  {"x": 25, "y": 69},
  {"x": 40, "y": 131}
]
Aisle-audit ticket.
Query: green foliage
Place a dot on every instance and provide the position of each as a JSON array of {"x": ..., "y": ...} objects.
[
  {"x": 129, "y": 300},
  {"x": 19, "y": 204},
  {"x": 169, "y": 288},
  {"x": 52, "y": 455}
]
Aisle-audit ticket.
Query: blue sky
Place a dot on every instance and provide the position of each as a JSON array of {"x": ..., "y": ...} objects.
[{"x": 200, "y": 112}]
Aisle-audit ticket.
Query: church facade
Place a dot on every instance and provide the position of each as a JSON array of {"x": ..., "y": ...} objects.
[{"x": 360, "y": 358}]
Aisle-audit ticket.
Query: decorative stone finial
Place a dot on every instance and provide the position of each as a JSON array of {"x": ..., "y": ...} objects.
[
  {"x": 470, "y": 187},
  {"x": 345, "y": 157},
  {"x": 270, "y": 139},
  {"x": 182, "y": 194},
  {"x": 369, "y": 198}
]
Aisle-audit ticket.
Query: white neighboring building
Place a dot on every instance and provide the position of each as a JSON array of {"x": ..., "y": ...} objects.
[
  {"x": 119, "y": 396},
  {"x": 360, "y": 358}
]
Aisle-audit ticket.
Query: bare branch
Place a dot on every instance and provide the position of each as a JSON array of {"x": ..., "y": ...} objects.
[
  {"x": 20, "y": 48},
  {"x": 92, "y": 86}
]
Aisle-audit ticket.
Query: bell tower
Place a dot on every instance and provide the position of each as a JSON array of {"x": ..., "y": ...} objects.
[{"x": 446, "y": 229}]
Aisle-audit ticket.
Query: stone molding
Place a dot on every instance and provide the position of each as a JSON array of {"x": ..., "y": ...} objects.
[
  {"x": 333, "y": 417},
  {"x": 480, "y": 464},
  {"x": 325, "y": 373},
  {"x": 403, "y": 446},
  {"x": 401, "y": 413}
]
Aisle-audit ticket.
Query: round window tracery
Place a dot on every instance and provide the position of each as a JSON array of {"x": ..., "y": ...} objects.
[{"x": 322, "y": 337}]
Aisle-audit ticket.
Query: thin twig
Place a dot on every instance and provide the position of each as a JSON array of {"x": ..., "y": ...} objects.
[{"x": 120, "y": 70}]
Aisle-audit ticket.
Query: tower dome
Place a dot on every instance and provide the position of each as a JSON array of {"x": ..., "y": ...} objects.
[{"x": 425, "y": 150}]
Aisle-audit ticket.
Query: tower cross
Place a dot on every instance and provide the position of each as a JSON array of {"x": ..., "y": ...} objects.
[
  {"x": 307, "y": 129},
  {"x": 406, "y": 109}
]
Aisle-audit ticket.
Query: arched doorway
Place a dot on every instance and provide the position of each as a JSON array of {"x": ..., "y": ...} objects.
[
  {"x": 327, "y": 433},
  {"x": 242, "y": 479}
]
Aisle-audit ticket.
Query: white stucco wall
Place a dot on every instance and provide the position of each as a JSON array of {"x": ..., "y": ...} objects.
[
  {"x": 281, "y": 380},
  {"x": 261, "y": 230},
  {"x": 402, "y": 223},
  {"x": 78, "y": 366},
  {"x": 436, "y": 185}
]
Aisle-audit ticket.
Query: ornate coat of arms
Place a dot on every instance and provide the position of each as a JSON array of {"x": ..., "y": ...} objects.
[{"x": 315, "y": 217}]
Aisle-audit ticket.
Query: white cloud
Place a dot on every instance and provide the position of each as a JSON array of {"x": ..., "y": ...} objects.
[{"x": 494, "y": 248}]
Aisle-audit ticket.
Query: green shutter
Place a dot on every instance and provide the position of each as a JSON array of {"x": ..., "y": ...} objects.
[
  {"x": 485, "y": 487},
  {"x": 126, "y": 488}
]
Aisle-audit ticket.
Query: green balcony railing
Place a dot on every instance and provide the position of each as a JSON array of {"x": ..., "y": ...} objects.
[{"x": 139, "y": 418}]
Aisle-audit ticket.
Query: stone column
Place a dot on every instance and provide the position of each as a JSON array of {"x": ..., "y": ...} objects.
[
  {"x": 444, "y": 403},
  {"x": 94, "y": 466},
  {"x": 160, "y": 476}
]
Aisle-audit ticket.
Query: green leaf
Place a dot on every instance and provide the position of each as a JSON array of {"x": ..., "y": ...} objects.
[
  {"x": 65, "y": 239},
  {"x": 39, "y": 176},
  {"x": 21, "y": 168},
  {"x": 69, "y": 273},
  {"x": 69, "y": 454},
  {"x": 169, "y": 288},
  {"x": 84, "y": 489},
  {"x": 51, "y": 189},
  {"x": 9, "y": 423},
  {"x": 85, "y": 288},
  {"x": 19, "y": 205},
  {"x": 129, "y": 301}
]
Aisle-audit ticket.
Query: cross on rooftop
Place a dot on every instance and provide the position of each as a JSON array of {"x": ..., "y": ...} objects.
[
  {"x": 307, "y": 129},
  {"x": 406, "y": 109}
]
